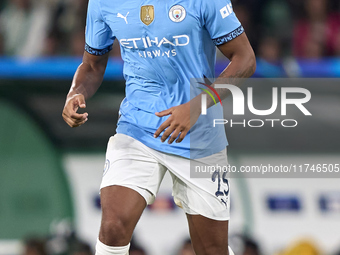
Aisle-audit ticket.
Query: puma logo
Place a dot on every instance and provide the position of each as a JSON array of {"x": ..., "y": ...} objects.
[{"x": 123, "y": 17}]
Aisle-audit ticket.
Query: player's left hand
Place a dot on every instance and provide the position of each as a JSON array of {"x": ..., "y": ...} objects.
[{"x": 178, "y": 124}]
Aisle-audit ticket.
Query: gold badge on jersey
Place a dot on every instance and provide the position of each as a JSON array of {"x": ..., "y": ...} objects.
[{"x": 147, "y": 14}]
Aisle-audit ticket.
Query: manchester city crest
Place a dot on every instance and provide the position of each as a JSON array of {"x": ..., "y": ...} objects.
[
  {"x": 177, "y": 13},
  {"x": 106, "y": 166}
]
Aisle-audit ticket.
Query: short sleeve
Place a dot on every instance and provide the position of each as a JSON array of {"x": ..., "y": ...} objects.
[
  {"x": 98, "y": 35},
  {"x": 220, "y": 21}
]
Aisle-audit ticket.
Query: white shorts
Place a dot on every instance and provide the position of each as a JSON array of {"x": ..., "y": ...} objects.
[{"x": 132, "y": 164}]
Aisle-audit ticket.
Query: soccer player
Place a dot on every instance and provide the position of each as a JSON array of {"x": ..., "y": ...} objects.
[{"x": 163, "y": 45}]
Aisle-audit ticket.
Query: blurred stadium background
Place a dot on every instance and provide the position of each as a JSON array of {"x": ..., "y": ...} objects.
[{"x": 50, "y": 173}]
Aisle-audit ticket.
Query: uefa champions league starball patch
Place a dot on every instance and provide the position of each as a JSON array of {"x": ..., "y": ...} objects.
[{"x": 177, "y": 13}]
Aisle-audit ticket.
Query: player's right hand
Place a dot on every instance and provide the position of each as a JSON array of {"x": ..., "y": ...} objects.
[{"x": 70, "y": 115}]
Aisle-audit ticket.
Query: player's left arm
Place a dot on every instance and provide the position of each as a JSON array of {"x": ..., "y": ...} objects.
[
  {"x": 183, "y": 117},
  {"x": 242, "y": 65}
]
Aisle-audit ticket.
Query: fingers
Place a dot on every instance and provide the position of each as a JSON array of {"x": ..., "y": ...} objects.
[
  {"x": 73, "y": 124},
  {"x": 164, "y": 113},
  {"x": 70, "y": 115},
  {"x": 181, "y": 137},
  {"x": 167, "y": 133},
  {"x": 74, "y": 119},
  {"x": 173, "y": 127},
  {"x": 78, "y": 101},
  {"x": 174, "y": 136},
  {"x": 179, "y": 131},
  {"x": 81, "y": 101},
  {"x": 161, "y": 128},
  {"x": 165, "y": 124},
  {"x": 172, "y": 130}
]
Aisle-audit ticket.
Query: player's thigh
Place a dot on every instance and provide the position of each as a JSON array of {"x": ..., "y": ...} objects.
[
  {"x": 130, "y": 181},
  {"x": 121, "y": 210},
  {"x": 129, "y": 164},
  {"x": 208, "y": 236}
]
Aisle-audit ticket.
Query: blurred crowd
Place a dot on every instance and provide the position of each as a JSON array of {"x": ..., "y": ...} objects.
[
  {"x": 242, "y": 245},
  {"x": 276, "y": 28},
  {"x": 71, "y": 245},
  {"x": 63, "y": 240}
]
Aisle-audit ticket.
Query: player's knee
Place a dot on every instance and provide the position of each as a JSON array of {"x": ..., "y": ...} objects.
[{"x": 114, "y": 231}]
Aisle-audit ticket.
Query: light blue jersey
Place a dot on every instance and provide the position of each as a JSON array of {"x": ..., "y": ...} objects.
[{"x": 164, "y": 44}]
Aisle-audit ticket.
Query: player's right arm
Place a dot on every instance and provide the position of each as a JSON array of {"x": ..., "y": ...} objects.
[
  {"x": 86, "y": 81},
  {"x": 89, "y": 75}
]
